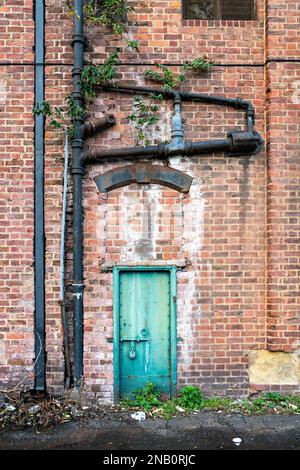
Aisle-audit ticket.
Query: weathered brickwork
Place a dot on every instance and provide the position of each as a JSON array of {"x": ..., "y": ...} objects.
[
  {"x": 283, "y": 118},
  {"x": 16, "y": 200},
  {"x": 236, "y": 231}
]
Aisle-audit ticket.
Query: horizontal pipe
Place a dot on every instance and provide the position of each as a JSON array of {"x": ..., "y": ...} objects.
[
  {"x": 196, "y": 148},
  {"x": 161, "y": 151},
  {"x": 92, "y": 127},
  {"x": 184, "y": 95},
  {"x": 135, "y": 152},
  {"x": 237, "y": 103},
  {"x": 236, "y": 143}
]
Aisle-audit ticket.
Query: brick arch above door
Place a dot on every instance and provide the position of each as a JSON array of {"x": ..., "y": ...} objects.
[{"x": 143, "y": 174}]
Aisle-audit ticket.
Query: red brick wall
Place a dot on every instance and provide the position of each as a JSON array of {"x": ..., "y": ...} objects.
[
  {"x": 16, "y": 194},
  {"x": 221, "y": 226},
  {"x": 58, "y": 85},
  {"x": 283, "y": 125}
]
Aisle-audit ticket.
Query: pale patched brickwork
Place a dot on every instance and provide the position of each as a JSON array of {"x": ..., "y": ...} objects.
[{"x": 237, "y": 229}]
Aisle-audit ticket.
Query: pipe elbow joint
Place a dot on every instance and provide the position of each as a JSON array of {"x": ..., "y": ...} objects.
[
  {"x": 175, "y": 148},
  {"x": 240, "y": 103},
  {"x": 92, "y": 127},
  {"x": 176, "y": 97},
  {"x": 245, "y": 142},
  {"x": 249, "y": 106}
]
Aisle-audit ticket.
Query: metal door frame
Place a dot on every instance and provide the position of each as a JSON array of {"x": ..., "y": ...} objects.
[{"x": 173, "y": 327}]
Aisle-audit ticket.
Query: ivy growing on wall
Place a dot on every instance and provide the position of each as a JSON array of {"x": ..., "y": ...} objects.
[
  {"x": 170, "y": 80},
  {"x": 112, "y": 14},
  {"x": 95, "y": 75},
  {"x": 166, "y": 77},
  {"x": 91, "y": 77},
  {"x": 61, "y": 116},
  {"x": 200, "y": 64},
  {"x": 144, "y": 116}
]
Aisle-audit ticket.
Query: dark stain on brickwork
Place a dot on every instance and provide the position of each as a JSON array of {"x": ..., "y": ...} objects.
[{"x": 244, "y": 191}]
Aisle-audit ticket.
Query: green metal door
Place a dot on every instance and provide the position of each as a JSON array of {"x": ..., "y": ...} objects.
[{"x": 145, "y": 330}]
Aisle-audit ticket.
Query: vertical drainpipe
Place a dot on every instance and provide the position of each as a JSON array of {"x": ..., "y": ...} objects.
[
  {"x": 77, "y": 173},
  {"x": 39, "y": 231},
  {"x": 62, "y": 299}
]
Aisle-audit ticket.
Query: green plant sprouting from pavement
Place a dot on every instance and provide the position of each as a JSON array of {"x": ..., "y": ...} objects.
[
  {"x": 148, "y": 398},
  {"x": 191, "y": 399},
  {"x": 145, "y": 398}
]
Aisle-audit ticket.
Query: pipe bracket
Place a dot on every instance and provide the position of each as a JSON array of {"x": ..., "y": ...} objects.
[{"x": 78, "y": 38}]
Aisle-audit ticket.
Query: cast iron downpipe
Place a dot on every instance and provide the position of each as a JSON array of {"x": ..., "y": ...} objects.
[
  {"x": 77, "y": 173},
  {"x": 39, "y": 228},
  {"x": 81, "y": 131}
]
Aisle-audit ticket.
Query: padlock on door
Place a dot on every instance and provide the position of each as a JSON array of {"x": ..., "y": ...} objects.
[{"x": 132, "y": 353}]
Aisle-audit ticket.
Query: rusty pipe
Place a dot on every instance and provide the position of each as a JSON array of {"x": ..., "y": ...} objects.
[
  {"x": 237, "y": 103},
  {"x": 93, "y": 126},
  {"x": 236, "y": 143}
]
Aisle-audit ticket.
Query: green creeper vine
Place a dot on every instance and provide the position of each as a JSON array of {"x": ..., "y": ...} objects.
[
  {"x": 133, "y": 44},
  {"x": 92, "y": 75},
  {"x": 95, "y": 75},
  {"x": 200, "y": 64},
  {"x": 166, "y": 77},
  {"x": 61, "y": 117},
  {"x": 111, "y": 14},
  {"x": 145, "y": 115},
  {"x": 170, "y": 80}
]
